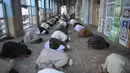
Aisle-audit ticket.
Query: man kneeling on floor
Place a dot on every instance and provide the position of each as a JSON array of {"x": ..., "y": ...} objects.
[
  {"x": 60, "y": 35},
  {"x": 12, "y": 49},
  {"x": 73, "y": 21},
  {"x": 63, "y": 29},
  {"x": 97, "y": 42},
  {"x": 50, "y": 58},
  {"x": 46, "y": 26},
  {"x": 82, "y": 31},
  {"x": 6, "y": 67},
  {"x": 39, "y": 30},
  {"x": 31, "y": 38},
  {"x": 115, "y": 63},
  {"x": 62, "y": 23},
  {"x": 56, "y": 44}
]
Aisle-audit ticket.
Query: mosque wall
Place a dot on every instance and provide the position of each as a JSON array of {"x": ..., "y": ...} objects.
[{"x": 116, "y": 21}]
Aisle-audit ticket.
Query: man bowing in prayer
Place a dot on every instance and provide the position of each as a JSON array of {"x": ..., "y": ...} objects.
[
  {"x": 56, "y": 44},
  {"x": 115, "y": 63},
  {"x": 60, "y": 35},
  {"x": 97, "y": 42},
  {"x": 50, "y": 58}
]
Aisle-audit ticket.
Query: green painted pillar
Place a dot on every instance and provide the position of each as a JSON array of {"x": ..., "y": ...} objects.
[{"x": 114, "y": 33}]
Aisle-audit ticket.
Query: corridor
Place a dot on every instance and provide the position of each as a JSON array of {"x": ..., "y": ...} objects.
[{"x": 109, "y": 19}]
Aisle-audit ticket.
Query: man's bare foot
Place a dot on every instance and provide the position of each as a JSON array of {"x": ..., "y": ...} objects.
[{"x": 100, "y": 70}]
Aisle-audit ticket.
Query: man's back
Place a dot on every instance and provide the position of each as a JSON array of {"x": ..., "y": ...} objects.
[
  {"x": 116, "y": 63},
  {"x": 96, "y": 38},
  {"x": 49, "y": 70},
  {"x": 97, "y": 42},
  {"x": 5, "y": 67},
  {"x": 59, "y": 35},
  {"x": 50, "y": 56}
]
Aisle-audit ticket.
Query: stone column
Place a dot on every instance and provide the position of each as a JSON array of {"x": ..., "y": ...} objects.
[
  {"x": 45, "y": 14},
  {"x": 55, "y": 7},
  {"x": 49, "y": 9},
  {"x": 77, "y": 9},
  {"x": 58, "y": 5},
  {"x": 37, "y": 13},
  {"x": 14, "y": 18}
]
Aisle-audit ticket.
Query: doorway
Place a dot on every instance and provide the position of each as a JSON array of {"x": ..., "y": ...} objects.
[
  {"x": 63, "y": 10},
  {"x": 26, "y": 9}
]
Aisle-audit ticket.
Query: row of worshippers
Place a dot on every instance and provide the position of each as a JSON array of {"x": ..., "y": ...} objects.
[
  {"x": 57, "y": 59},
  {"x": 53, "y": 58},
  {"x": 115, "y": 63},
  {"x": 32, "y": 37},
  {"x": 95, "y": 41},
  {"x": 55, "y": 47},
  {"x": 11, "y": 49},
  {"x": 58, "y": 42}
]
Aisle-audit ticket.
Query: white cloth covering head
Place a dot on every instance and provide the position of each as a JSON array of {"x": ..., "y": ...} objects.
[
  {"x": 38, "y": 32},
  {"x": 62, "y": 18},
  {"x": 56, "y": 17},
  {"x": 30, "y": 37},
  {"x": 52, "y": 20},
  {"x": 68, "y": 16},
  {"x": 62, "y": 22},
  {"x": 49, "y": 22},
  {"x": 60, "y": 49},
  {"x": 49, "y": 70},
  {"x": 77, "y": 28},
  {"x": 45, "y": 25},
  {"x": 60, "y": 25},
  {"x": 59, "y": 35},
  {"x": 72, "y": 21}
]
